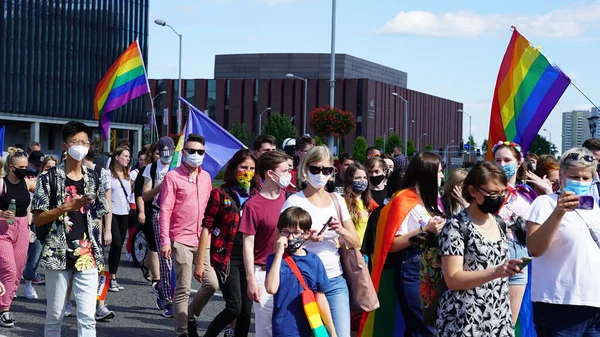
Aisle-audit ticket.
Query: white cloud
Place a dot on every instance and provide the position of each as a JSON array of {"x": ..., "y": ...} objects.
[
  {"x": 572, "y": 21},
  {"x": 252, "y": 38}
]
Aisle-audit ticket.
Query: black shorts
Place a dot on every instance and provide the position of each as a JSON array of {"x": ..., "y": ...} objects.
[{"x": 148, "y": 230}]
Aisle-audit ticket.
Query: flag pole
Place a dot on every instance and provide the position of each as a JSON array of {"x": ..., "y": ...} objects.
[
  {"x": 584, "y": 95},
  {"x": 154, "y": 126}
]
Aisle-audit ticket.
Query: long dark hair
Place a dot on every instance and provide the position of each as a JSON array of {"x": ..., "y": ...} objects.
[
  {"x": 350, "y": 195},
  {"x": 229, "y": 176},
  {"x": 421, "y": 174}
]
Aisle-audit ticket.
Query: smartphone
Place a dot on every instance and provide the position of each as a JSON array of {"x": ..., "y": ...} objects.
[
  {"x": 526, "y": 260},
  {"x": 325, "y": 226},
  {"x": 586, "y": 202}
]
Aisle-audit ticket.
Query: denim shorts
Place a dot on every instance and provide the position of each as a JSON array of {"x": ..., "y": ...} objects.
[{"x": 517, "y": 251}]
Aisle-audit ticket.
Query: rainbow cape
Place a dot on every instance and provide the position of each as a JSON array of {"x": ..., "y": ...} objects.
[
  {"x": 387, "y": 321},
  {"x": 125, "y": 80},
  {"x": 527, "y": 89}
]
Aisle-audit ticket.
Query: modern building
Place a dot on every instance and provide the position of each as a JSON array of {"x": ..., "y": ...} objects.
[
  {"x": 575, "y": 128},
  {"x": 246, "y": 85},
  {"x": 52, "y": 56}
]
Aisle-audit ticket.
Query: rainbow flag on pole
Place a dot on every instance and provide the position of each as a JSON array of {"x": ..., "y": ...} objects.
[
  {"x": 527, "y": 89},
  {"x": 125, "y": 80}
]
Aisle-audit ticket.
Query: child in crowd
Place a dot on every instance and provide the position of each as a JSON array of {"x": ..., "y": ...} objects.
[{"x": 289, "y": 318}]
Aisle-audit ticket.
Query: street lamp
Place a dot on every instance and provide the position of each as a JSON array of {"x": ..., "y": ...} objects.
[
  {"x": 305, "y": 98},
  {"x": 179, "y": 113},
  {"x": 405, "y": 119},
  {"x": 384, "y": 138},
  {"x": 260, "y": 120},
  {"x": 470, "y": 134},
  {"x": 546, "y": 130},
  {"x": 419, "y": 141}
]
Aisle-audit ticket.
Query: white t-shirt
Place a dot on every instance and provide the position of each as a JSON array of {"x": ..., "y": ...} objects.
[
  {"x": 416, "y": 218},
  {"x": 133, "y": 175},
  {"x": 161, "y": 172},
  {"x": 567, "y": 273},
  {"x": 327, "y": 250},
  {"x": 120, "y": 202},
  {"x": 518, "y": 205}
]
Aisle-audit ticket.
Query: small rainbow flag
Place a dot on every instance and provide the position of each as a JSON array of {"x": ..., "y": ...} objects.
[
  {"x": 176, "y": 160},
  {"x": 125, "y": 80},
  {"x": 527, "y": 89}
]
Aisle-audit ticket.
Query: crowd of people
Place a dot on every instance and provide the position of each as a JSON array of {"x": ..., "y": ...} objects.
[{"x": 269, "y": 237}]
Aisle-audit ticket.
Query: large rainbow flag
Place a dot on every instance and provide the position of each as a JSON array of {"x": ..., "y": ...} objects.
[
  {"x": 527, "y": 89},
  {"x": 387, "y": 321},
  {"x": 125, "y": 80}
]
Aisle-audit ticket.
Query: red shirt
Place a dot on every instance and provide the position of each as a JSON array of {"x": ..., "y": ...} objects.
[{"x": 260, "y": 218}]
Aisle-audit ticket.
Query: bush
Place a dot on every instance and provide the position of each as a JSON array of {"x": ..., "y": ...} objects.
[
  {"x": 360, "y": 149},
  {"x": 379, "y": 143},
  {"x": 392, "y": 141},
  {"x": 239, "y": 131},
  {"x": 280, "y": 127},
  {"x": 332, "y": 121}
]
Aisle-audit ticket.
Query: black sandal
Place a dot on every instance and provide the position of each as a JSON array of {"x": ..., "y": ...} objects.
[{"x": 146, "y": 272}]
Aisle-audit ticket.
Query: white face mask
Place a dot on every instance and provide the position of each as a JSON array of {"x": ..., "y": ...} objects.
[
  {"x": 166, "y": 160},
  {"x": 284, "y": 181},
  {"x": 317, "y": 180},
  {"x": 77, "y": 152},
  {"x": 194, "y": 160}
]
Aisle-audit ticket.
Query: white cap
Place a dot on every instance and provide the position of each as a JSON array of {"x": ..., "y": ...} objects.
[{"x": 288, "y": 142}]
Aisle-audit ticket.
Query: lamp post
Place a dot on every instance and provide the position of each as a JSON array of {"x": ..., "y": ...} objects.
[
  {"x": 384, "y": 138},
  {"x": 405, "y": 120},
  {"x": 305, "y": 98},
  {"x": 179, "y": 113},
  {"x": 419, "y": 141},
  {"x": 470, "y": 134},
  {"x": 260, "y": 120},
  {"x": 153, "y": 121},
  {"x": 549, "y": 134},
  {"x": 332, "y": 69}
]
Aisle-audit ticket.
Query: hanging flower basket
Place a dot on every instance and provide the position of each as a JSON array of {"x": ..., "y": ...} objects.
[{"x": 332, "y": 121}]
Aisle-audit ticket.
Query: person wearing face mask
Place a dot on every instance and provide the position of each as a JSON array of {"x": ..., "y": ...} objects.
[
  {"x": 563, "y": 239},
  {"x": 376, "y": 170},
  {"x": 220, "y": 231},
  {"x": 396, "y": 263},
  {"x": 475, "y": 260},
  {"x": 184, "y": 196},
  {"x": 259, "y": 228},
  {"x": 153, "y": 177},
  {"x": 316, "y": 168},
  {"x": 14, "y": 230},
  {"x": 358, "y": 197},
  {"x": 509, "y": 156}
]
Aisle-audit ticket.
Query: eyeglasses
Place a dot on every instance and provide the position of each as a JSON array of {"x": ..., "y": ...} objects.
[
  {"x": 74, "y": 142},
  {"x": 577, "y": 157},
  {"x": 316, "y": 170},
  {"x": 494, "y": 195},
  {"x": 20, "y": 154},
  {"x": 294, "y": 234},
  {"x": 194, "y": 151}
]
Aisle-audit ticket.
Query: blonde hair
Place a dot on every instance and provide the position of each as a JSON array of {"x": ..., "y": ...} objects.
[
  {"x": 46, "y": 160},
  {"x": 12, "y": 153},
  {"x": 456, "y": 178},
  {"x": 316, "y": 154},
  {"x": 566, "y": 162}
]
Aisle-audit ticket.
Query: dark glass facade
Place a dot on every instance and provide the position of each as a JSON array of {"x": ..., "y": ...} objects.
[{"x": 54, "y": 53}]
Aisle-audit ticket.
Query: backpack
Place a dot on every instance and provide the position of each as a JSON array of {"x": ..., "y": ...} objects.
[{"x": 431, "y": 275}]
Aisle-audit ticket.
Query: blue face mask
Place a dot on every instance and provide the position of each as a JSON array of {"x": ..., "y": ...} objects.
[
  {"x": 360, "y": 186},
  {"x": 510, "y": 170},
  {"x": 578, "y": 187}
]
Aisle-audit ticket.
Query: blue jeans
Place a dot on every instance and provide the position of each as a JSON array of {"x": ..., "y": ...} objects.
[
  {"x": 558, "y": 320},
  {"x": 407, "y": 285},
  {"x": 34, "y": 252},
  {"x": 339, "y": 302}
]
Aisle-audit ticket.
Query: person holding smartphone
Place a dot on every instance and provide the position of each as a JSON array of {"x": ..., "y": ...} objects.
[{"x": 562, "y": 238}]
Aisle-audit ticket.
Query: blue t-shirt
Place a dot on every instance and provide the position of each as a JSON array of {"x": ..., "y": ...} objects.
[{"x": 289, "y": 319}]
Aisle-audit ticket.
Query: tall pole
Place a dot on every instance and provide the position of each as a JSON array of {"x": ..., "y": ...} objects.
[
  {"x": 405, "y": 125},
  {"x": 332, "y": 69},
  {"x": 305, "y": 104},
  {"x": 179, "y": 112}
]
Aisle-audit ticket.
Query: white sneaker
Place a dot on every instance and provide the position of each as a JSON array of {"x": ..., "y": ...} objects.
[{"x": 30, "y": 292}]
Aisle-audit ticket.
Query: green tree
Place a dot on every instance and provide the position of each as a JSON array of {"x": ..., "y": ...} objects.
[
  {"x": 392, "y": 141},
  {"x": 428, "y": 147},
  {"x": 472, "y": 143},
  {"x": 360, "y": 149},
  {"x": 379, "y": 142},
  {"x": 412, "y": 149},
  {"x": 484, "y": 145},
  {"x": 240, "y": 131},
  {"x": 540, "y": 145},
  {"x": 280, "y": 127},
  {"x": 318, "y": 140}
]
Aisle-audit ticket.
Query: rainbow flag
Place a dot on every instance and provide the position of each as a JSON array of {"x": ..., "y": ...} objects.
[
  {"x": 527, "y": 89},
  {"x": 176, "y": 160},
  {"x": 387, "y": 321},
  {"x": 125, "y": 80}
]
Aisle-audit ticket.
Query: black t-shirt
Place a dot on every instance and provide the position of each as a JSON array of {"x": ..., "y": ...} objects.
[
  {"x": 237, "y": 251},
  {"x": 78, "y": 218},
  {"x": 338, "y": 185},
  {"x": 379, "y": 196},
  {"x": 18, "y": 192}
]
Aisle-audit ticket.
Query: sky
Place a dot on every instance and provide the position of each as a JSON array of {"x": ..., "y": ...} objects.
[{"x": 451, "y": 49}]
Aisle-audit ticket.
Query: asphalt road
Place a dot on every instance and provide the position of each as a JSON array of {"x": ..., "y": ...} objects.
[{"x": 136, "y": 313}]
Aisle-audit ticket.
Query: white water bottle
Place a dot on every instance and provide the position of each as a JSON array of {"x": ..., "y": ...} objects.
[{"x": 12, "y": 208}]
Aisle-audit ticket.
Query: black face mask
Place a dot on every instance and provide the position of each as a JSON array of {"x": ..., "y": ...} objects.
[
  {"x": 490, "y": 205},
  {"x": 294, "y": 245},
  {"x": 21, "y": 172},
  {"x": 376, "y": 180}
]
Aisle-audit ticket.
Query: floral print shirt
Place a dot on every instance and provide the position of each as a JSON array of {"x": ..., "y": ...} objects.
[{"x": 87, "y": 251}]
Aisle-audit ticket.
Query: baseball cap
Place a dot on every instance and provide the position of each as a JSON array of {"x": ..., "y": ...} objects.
[
  {"x": 36, "y": 158},
  {"x": 165, "y": 146}
]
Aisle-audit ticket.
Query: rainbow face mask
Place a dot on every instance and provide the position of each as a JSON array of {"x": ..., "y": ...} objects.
[{"x": 244, "y": 180}]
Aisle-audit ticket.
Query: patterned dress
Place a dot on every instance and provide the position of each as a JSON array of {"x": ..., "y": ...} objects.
[{"x": 484, "y": 310}]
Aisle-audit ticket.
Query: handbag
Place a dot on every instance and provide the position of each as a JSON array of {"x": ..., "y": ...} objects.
[
  {"x": 363, "y": 297},
  {"x": 311, "y": 309}
]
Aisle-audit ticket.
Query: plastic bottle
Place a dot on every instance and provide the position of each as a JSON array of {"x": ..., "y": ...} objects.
[{"x": 12, "y": 208}]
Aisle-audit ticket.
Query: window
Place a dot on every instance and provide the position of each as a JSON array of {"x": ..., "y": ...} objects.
[{"x": 211, "y": 98}]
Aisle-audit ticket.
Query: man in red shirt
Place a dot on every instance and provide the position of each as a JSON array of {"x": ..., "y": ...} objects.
[{"x": 259, "y": 226}]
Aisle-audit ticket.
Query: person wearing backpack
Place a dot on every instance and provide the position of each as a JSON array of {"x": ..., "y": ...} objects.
[{"x": 475, "y": 261}]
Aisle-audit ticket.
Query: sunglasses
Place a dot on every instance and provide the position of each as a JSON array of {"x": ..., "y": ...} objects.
[
  {"x": 316, "y": 170},
  {"x": 577, "y": 157},
  {"x": 194, "y": 151}
]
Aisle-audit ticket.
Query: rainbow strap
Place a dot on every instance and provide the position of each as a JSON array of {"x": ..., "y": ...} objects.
[{"x": 311, "y": 309}]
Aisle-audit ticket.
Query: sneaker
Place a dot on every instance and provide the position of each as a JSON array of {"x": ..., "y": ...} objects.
[
  {"x": 114, "y": 286},
  {"x": 69, "y": 310},
  {"x": 7, "y": 320},
  {"x": 128, "y": 257},
  {"x": 103, "y": 313},
  {"x": 228, "y": 332},
  {"x": 192, "y": 329},
  {"x": 38, "y": 279},
  {"x": 119, "y": 285},
  {"x": 168, "y": 313},
  {"x": 30, "y": 292},
  {"x": 160, "y": 301}
]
